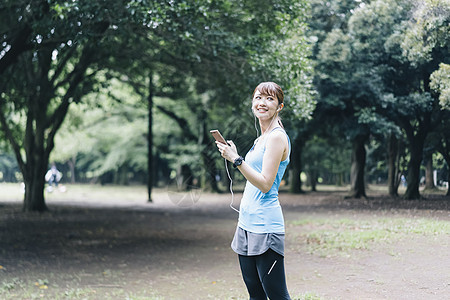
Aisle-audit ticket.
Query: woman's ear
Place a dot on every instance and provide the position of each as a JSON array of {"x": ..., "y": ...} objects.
[{"x": 280, "y": 107}]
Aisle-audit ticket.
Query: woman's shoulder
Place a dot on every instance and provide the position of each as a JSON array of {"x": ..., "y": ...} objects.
[
  {"x": 278, "y": 131},
  {"x": 277, "y": 136}
]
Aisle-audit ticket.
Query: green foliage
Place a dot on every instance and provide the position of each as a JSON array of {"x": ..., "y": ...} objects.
[
  {"x": 105, "y": 137},
  {"x": 375, "y": 70},
  {"x": 199, "y": 54},
  {"x": 286, "y": 62},
  {"x": 8, "y": 167},
  {"x": 440, "y": 83},
  {"x": 427, "y": 31},
  {"x": 327, "y": 164}
]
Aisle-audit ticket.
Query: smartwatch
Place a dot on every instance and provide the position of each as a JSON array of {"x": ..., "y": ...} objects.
[{"x": 238, "y": 161}]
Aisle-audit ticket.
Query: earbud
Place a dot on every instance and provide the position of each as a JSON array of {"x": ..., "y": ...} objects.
[{"x": 280, "y": 107}]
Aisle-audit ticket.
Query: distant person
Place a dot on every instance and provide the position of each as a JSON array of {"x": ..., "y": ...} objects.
[
  {"x": 259, "y": 237},
  {"x": 53, "y": 176},
  {"x": 422, "y": 180},
  {"x": 403, "y": 179}
]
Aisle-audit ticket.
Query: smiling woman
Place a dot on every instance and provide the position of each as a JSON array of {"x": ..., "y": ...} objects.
[
  {"x": 268, "y": 97},
  {"x": 259, "y": 237}
]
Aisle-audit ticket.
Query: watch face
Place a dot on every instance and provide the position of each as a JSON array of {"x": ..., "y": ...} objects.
[{"x": 238, "y": 161}]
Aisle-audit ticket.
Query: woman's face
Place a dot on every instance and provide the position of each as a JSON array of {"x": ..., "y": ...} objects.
[{"x": 264, "y": 106}]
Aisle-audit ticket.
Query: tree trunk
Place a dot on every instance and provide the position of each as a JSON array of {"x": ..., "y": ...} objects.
[
  {"x": 295, "y": 185},
  {"x": 446, "y": 155},
  {"x": 393, "y": 171},
  {"x": 185, "y": 179},
  {"x": 35, "y": 184},
  {"x": 416, "y": 138},
  {"x": 121, "y": 176},
  {"x": 339, "y": 179},
  {"x": 35, "y": 166},
  {"x": 429, "y": 180},
  {"x": 444, "y": 149},
  {"x": 412, "y": 190},
  {"x": 448, "y": 179},
  {"x": 358, "y": 187},
  {"x": 71, "y": 163},
  {"x": 150, "y": 139},
  {"x": 313, "y": 180}
]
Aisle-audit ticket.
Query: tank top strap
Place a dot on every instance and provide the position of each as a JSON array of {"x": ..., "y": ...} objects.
[{"x": 284, "y": 131}]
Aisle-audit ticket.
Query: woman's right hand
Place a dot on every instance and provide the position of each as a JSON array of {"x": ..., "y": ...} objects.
[{"x": 229, "y": 152}]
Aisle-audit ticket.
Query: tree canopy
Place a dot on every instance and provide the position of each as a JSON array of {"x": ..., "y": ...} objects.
[
  {"x": 377, "y": 71},
  {"x": 55, "y": 53}
]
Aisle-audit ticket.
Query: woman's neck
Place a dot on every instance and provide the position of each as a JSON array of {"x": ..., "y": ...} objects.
[{"x": 268, "y": 125}]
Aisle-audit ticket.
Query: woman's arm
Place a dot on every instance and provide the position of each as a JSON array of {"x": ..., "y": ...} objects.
[{"x": 276, "y": 146}]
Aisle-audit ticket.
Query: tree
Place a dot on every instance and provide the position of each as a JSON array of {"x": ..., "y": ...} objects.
[
  {"x": 427, "y": 44},
  {"x": 440, "y": 84},
  {"x": 47, "y": 65},
  {"x": 411, "y": 78},
  {"x": 51, "y": 53},
  {"x": 444, "y": 149},
  {"x": 384, "y": 78},
  {"x": 341, "y": 98},
  {"x": 394, "y": 157},
  {"x": 338, "y": 81}
]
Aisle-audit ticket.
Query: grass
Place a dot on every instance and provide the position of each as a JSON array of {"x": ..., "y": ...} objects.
[
  {"x": 328, "y": 237},
  {"x": 14, "y": 191},
  {"x": 308, "y": 296},
  {"x": 18, "y": 289},
  {"x": 41, "y": 289}
]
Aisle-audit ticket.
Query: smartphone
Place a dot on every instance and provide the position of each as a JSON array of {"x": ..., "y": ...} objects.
[{"x": 216, "y": 134}]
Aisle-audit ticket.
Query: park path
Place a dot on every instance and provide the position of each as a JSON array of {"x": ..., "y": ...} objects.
[{"x": 178, "y": 248}]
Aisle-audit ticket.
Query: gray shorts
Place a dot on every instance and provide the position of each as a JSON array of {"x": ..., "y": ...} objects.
[{"x": 250, "y": 244}]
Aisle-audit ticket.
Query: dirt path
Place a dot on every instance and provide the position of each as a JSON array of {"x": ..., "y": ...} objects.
[{"x": 87, "y": 247}]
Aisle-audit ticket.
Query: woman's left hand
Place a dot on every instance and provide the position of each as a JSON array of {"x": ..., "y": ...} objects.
[{"x": 229, "y": 152}]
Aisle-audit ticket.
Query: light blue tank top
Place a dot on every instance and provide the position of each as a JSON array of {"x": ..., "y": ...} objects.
[{"x": 261, "y": 212}]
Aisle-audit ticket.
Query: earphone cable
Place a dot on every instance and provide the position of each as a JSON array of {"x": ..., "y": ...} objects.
[
  {"x": 231, "y": 186},
  {"x": 271, "y": 122},
  {"x": 228, "y": 172}
]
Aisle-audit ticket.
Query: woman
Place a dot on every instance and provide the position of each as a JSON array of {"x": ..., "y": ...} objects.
[{"x": 259, "y": 237}]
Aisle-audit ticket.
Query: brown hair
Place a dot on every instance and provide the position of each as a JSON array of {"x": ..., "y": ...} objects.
[{"x": 270, "y": 89}]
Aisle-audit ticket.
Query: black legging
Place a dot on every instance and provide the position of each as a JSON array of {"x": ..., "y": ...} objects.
[{"x": 264, "y": 276}]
